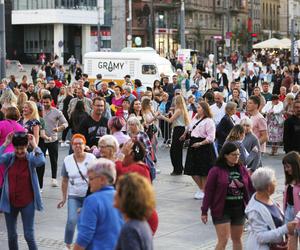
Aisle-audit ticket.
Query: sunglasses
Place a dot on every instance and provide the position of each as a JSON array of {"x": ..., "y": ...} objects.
[{"x": 20, "y": 135}]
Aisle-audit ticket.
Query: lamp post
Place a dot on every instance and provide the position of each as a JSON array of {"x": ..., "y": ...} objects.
[
  {"x": 129, "y": 20},
  {"x": 100, "y": 8},
  {"x": 2, "y": 40},
  {"x": 182, "y": 25}
]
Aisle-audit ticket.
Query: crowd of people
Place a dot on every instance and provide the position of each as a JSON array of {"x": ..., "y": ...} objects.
[{"x": 112, "y": 131}]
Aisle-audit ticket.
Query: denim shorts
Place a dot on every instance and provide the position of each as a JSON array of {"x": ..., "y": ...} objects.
[{"x": 289, "y": 215}]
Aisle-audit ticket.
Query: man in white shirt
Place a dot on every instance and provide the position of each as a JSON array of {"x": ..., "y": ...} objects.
[{"x": 218, "y": 108}]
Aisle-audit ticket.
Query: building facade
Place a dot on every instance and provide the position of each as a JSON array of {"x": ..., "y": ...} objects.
[
  {"x": 270, "y": 19},
  {"x": 59, "y": 27}
]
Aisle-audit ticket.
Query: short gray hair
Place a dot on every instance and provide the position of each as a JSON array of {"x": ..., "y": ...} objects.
[
  {"x": 262, "y": 178},
  {"x": 127, "y": 88},
  {"x": 230, "y": 106},
  {"x": 109, "y": 140},
  {"x": 134, "y": 121},
  {"x": 104, "y": 167},
  {"x": 246, "y": 121}
]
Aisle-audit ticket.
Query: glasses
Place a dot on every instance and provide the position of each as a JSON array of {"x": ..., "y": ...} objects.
[
  {"x": 106, "y": 146},
  {"x": 93, "y": 178},
  {"x": 77, "y": 143},
  {"x": 235, "y": 154}
]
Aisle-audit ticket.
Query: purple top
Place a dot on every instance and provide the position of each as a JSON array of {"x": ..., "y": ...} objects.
[
  {"x": 6, "y": 127},
  {"x": 216, "y": 190},
  {"x": 121, "y": 137},
  {"x": 117, "y": 102}
]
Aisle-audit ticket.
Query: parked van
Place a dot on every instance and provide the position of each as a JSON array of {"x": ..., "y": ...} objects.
[{"x": 113, "y": 66}]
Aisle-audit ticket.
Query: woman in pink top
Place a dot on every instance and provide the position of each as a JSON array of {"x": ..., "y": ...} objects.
[
  {"x": 7, "y": 126},
  {"x": 291, "y": 200},
  {"x": 201, "y": 154}
]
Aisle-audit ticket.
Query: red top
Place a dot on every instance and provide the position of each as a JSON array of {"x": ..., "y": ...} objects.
[
  {"x": 281, "y": 98},
  {"x": 20, "y": 187},
  {"x": 58, "y": 83},
  {"x": 143, "y": 170},
  {"x": 139, "y": 168}
]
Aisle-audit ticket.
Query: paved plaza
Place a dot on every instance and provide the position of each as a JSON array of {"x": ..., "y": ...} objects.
[{"x": 179, "y": 214}]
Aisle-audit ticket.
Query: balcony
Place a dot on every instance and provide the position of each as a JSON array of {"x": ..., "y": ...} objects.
[
  {"x": 166, "y": 4},
  {"x": 219, "y": 10}
]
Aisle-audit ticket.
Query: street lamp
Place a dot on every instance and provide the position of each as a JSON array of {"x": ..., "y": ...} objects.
[
  {"x": 2, "y": 40},
  {"x": 100, "y": 7},
  {"x": 182, "y": 25},
  {"x": 129, "y": 21}
]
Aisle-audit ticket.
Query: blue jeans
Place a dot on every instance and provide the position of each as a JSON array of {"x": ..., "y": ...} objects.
[
  {"x": 27, "y": 215},
  {"x": 289, "y": 215},
  {"x": 73, "y": 204}
]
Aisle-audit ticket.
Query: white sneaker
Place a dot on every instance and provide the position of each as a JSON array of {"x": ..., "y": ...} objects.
[
  {"x": 64, "y": 144},
  {"x": 41, "y": 190},
  {"x": 157, "y": 171},
  {"x": 54, "y": 183},
  {"x": 199, "y": 195}
]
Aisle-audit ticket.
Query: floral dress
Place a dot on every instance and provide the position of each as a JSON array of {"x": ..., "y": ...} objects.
[{"x": 275, "y": 120}]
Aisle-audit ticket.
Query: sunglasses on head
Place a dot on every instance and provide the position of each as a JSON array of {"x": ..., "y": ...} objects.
[{"x": 20, "y": 135}]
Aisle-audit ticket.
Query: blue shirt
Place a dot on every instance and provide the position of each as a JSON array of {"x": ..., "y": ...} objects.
[{"x": 99, "y": 223}]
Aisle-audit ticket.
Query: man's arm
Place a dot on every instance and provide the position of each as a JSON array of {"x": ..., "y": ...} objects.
[
  {"x": 263, "y": 137},
  {"x": 62, "y": 122}
]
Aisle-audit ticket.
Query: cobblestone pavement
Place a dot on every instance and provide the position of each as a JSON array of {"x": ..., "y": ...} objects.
[{"x": 179, "y": 214}]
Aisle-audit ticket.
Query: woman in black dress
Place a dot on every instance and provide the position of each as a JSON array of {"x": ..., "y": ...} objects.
[{"x": 201, "y": 153}]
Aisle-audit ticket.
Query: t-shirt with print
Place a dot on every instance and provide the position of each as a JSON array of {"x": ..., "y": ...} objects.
[
  {"x": 77, "y": 186},
  {"x": 259, "y": 125},
  {"x": 235, "y": 188},
  {"x": 93, "y": 130}
]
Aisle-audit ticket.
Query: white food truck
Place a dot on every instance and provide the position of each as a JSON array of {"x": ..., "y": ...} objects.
[{"x": 113, "y": 66}]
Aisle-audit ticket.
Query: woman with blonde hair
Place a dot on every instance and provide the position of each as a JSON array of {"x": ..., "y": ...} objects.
[
  {"x": 150, "y": 126},
  {"x": 179, "y": 120},
  {"x": 22, "y": 98},
  {"x": 136, "y": 200},
  {"x": 61, "y": 97},
  {"x": 8, "y": 99},
  {"x": 31, "y": 120},
  {"x": 236, "y": 136}
]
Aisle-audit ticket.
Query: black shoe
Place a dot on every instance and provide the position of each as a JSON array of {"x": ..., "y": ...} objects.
[{"x": 174, "y": 173}]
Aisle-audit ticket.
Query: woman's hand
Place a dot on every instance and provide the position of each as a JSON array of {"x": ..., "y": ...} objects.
[
  {"x": 8, "y": 139},
  {"x": 291, "y": 227},
  {"x": 61, "y": 204},
  {"x": 127, "y": 148},
  {"x": 197, "y": 144},
  {"x": 182, "y": 138},
  {"x": 32, "y": 141},
  {"x": 204, "y": 218}
]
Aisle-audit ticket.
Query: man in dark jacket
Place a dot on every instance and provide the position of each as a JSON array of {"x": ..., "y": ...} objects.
[
  {"x": 291, "y": 132},
  {"x": 222, "y": 78},
  {"x": 250, "y": 82}
]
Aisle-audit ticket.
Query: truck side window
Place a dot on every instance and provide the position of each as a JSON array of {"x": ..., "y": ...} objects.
[{"x": 149, "y": 69}]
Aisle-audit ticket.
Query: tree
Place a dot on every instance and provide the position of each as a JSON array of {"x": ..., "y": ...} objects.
[
  {"x": 198, "y": 36},
  {"x": 240, "y": 35}
]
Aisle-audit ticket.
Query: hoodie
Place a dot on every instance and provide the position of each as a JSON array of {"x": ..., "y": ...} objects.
[{"x": 262, "y": 230}]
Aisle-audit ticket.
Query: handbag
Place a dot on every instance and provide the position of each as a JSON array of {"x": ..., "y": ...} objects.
[
  {"x": 188, "y": 134},
  {"x": 88, "y": 192},
  {"x": 280, "y": 246}
]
